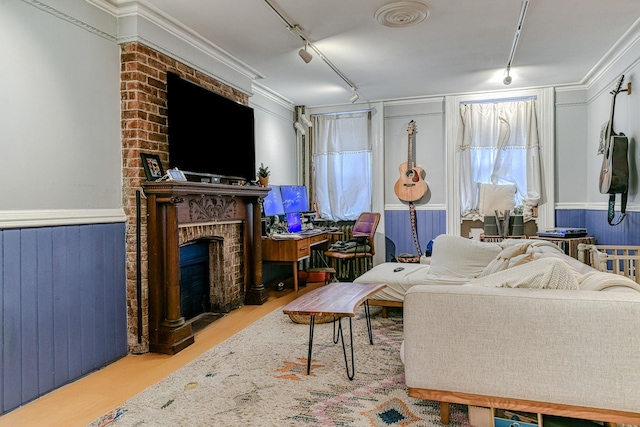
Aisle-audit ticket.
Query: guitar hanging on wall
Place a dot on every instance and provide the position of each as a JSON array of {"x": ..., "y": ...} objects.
[
  {"x": 410, "y": 186},
  {"x": 614, "y": 174}
]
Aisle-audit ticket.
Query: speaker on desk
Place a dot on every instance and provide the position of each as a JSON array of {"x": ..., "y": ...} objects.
[{"x": 265, "y": 223}]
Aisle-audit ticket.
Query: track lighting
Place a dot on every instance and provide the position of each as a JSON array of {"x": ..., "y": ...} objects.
[
  {"x": 354, "y": 96},
  {"x": 304, "y": 54},
  {"x": 300, "y": 128},
  {"x": 305, "y": 120},
  {"x": 507, "y": 78},
  {"x": 516, "y": 37}
]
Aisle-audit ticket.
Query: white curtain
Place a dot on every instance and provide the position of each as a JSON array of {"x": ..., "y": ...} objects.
[
  {"x": 341, "y": 160},
  {"x": 499, "y": 145}
]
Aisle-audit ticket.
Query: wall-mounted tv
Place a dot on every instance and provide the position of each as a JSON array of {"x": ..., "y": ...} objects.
[
  {"x": 208, "y": 133},
  {"x": 294, "y": 198}
]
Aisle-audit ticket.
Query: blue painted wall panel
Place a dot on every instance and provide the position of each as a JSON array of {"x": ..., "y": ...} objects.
[
  {"x": 11, "y": 336},
  {"x": 595, "y": 221},
  {"x": 74, "y": 288},
  {"x": 398, "y": 232},
  {"x": 398, "y": 237},
  {"x": 46, "y": 368},
  {"x": 63, "y": 309},
  {"x": 29, "y": 313},
  {"x": 61, "y": 306}
]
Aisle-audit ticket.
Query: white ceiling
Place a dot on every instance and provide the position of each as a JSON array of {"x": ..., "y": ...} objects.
[{"x": 462, "y": 46}]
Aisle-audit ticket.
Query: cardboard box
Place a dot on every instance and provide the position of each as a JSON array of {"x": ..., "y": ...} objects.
[{"x": 480, "y": 417}]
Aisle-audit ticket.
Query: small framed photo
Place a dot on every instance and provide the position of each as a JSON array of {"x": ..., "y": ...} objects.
[{"x": 152, "y": 166}]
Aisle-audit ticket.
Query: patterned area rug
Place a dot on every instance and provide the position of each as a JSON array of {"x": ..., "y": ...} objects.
[{"x": 259, "y": 377}]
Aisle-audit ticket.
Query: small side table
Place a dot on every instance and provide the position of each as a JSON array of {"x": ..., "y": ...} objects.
[{"x": 338, "y": 300}]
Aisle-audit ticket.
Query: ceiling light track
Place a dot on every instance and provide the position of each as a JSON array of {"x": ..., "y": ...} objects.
[
  {"x": 516, "y": 38},
  {"x": 306, "y": 56}
]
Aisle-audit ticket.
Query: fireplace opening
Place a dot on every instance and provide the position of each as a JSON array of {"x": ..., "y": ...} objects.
[{"x": 194, "y": 279}]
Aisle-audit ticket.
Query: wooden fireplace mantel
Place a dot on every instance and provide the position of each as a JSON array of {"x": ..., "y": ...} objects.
[{"x": 171, "y": 204}]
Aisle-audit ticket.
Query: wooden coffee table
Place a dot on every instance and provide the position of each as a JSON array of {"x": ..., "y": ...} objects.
[{"x": 339, "y": 300}]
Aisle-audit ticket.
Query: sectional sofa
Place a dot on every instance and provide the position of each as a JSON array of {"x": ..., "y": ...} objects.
[{"x": 518, "y": 325}]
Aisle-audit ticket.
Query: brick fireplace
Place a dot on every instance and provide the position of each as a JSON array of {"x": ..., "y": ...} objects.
[
  {"x": 191, "y": 211},
  {"x": 224, "y": 243},
  {"x": 144, "y": 129}
]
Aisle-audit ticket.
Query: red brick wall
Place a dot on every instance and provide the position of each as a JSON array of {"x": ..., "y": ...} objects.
[{"x": 143, "y": 78}]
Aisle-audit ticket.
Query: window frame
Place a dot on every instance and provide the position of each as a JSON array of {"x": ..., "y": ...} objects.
[{"x": 546, "y": 135}]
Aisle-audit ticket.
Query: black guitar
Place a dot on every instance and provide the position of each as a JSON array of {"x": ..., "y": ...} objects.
[{"x": 614, "y": 174}]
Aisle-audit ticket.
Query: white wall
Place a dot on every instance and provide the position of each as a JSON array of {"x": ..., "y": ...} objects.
[
  {"x": 571, "y": 148},
  {"x": 60, "y": 111},
  {"x": 276, "y": 143}
]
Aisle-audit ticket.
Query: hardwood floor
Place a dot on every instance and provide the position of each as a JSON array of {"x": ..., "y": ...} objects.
[{"x": 81, "y": 402}]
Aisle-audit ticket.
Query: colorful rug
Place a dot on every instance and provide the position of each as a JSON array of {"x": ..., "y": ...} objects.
[{"x": 258, "y": 378}]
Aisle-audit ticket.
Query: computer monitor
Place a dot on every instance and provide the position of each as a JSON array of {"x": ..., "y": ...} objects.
[
  {"x": 272, "y": 203},
  {"x": 294, "y": 198},
  {"x": 294, "y": 224}
]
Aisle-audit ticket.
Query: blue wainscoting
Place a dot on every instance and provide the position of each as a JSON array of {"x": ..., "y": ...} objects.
[
  {"x": 63, "y": 311},
  {"x": 398, "y": 234},
  {"x": 595, "y": 221},
  {"x": 431, "y": 223}
]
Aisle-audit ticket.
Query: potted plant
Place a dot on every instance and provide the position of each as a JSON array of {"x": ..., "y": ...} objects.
[{"x": 263, "y": 175}]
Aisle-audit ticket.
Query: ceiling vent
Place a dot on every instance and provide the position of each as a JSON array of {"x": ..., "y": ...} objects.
[{"x": 402, "y": 14}]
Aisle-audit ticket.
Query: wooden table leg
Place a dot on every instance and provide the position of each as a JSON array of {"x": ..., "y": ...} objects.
[
  {"x": 294, "y": 266},
  {"x": 444, "y": 412}
]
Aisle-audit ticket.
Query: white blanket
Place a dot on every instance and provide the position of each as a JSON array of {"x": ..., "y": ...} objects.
[
  {"x": 556, "y": 273},
  {"x": 551, "y": 273}
]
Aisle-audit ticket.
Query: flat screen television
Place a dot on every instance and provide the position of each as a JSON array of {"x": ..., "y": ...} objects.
[
  {"x": 294, "y": 198},
  {"x": 272, "y": 203},
  {"x": 208, "y": 133}
]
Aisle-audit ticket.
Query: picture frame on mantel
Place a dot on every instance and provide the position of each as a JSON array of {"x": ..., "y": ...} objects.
[{"x": 152, "y": 166}]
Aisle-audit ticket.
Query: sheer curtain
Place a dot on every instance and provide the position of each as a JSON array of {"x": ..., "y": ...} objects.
[
  {"x": 499, "y": 145},
  {"x": 342, "y": 161}
]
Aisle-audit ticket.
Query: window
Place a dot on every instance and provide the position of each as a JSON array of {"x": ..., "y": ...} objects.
[
  {"x": 499, "y": 145},
  {"x": 342, "y": 162}
]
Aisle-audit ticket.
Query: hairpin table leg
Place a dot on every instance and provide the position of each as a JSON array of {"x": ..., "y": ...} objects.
[{"x": 312, "y": 322}]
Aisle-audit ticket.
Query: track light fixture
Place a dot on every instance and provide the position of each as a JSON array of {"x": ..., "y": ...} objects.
[
  {"x": 507, "y": 78},
  {"x": 516, "y": 37},
  {"x": 304, "y": 54},
  {"x": 354, "y": 96}
]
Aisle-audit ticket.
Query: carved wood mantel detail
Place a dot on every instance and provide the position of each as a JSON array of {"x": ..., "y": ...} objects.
[{"x": 173, "y": 204}]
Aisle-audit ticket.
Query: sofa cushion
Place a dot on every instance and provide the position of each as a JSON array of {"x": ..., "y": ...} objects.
[{"x": 459, "y": 257}]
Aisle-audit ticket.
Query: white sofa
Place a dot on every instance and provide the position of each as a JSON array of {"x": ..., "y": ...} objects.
[
  {"x": 454, "y": 261},
  {"x": 525, "y": 328},
  {"x": 559, "y": 352}
]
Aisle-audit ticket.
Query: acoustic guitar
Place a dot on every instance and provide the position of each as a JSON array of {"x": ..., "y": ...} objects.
[
  {"x": 614, "y": 173},
  {"x": 410, "y": 186}
]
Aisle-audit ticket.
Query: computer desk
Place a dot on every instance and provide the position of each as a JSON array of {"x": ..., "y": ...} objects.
[{"x": 293, "y": 248}]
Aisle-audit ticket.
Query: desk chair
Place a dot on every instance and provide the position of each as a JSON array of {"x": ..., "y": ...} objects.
[{"x": 360, "y": 260}]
